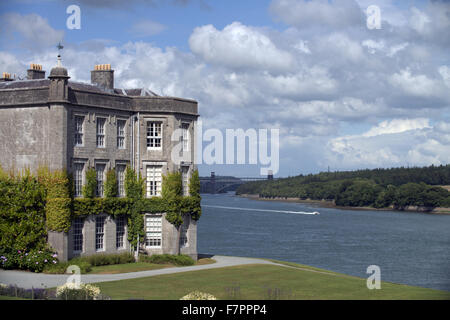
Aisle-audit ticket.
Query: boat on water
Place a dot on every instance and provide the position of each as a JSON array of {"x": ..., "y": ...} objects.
[{"x": 316, "y": 213}]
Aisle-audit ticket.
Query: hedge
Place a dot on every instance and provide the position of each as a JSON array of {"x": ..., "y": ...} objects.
[{"x": 58, "y": 214}]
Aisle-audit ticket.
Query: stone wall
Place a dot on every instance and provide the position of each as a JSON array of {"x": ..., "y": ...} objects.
[
  {"x": 33, "y": 136},
  {"x": 89, "y": 153},
  {"x": 89, "y": 247}
]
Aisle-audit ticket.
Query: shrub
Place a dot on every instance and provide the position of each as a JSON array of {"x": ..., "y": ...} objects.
[
  {"x": 134, "y": 184},
  {"x": 70, "y": 291},
  {"x": 197, "y": 295},
  {"x": 58, "y": 214},
  {"x": 134, "y": 190},
  {"x": 34, "y": 260},
  {"x": 86, "y": 263},
  {"x": 111, "y": 184},
  {"x": 22, "y": 214},
  {"x": 58, "y": 199},
  {"x": 56, "y": 184},
  {"x": 178, "y": 260},
  {"x": 89, "y": 188},
  {"x": 171, "y": 191},
  {"x": 108, "y": 259}
]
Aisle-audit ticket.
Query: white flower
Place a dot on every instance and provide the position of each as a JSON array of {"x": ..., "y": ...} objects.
[
  {"x": 197, "y": 295},
  {"x": 90, "y": 290}
]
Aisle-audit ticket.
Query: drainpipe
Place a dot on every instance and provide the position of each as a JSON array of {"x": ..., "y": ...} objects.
[
  {"x": 138, "y": 170},
  {"x": 138, "y": 143},
  {"x": 132, "y": 142}
]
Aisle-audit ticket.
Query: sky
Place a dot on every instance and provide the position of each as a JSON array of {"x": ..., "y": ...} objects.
[{"x": 342, "y": 95}]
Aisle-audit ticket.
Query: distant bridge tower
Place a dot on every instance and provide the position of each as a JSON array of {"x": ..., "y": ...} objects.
[
  {"x": 213, "y": 182},
  {"x": 270, "y": 175}
]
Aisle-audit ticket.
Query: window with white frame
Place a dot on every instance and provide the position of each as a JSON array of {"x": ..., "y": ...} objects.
[
  {"x": 101, "y": 132},
  {"x": 121, "y": 134},
  {"x": 100, "y": 233},
  {"x": 153, "y": 181},
  {"x": 185, "y": 180},
  {"x": 185, "y": 137},
  {"x": 154, "y": 135},
  {"x": 120, "y": 168},
  {"x": 78, "y": 235},
  {"x": 100, "y": 171},
  {"x": 79, "y": 120},
  {"x": 120, "y": 232},
  {"x": 153, "y": 231},
  {"x": 184, "y": 234},
  {"x": 78, "y": 178}
]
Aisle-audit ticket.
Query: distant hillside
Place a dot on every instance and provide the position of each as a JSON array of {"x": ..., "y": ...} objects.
[{"x": 379, "y": 188}]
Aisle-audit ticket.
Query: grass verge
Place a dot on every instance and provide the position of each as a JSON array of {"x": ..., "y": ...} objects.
[{"x": 263, "y": 282}]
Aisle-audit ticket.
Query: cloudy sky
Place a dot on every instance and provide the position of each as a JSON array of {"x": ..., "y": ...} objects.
[{"x": 343, "y": 95}]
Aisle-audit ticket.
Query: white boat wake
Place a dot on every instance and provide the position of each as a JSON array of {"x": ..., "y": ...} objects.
[{"x": 263, "y": 210}]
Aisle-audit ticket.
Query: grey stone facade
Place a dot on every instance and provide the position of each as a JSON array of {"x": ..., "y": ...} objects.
[{"x": 40, "y": 126}]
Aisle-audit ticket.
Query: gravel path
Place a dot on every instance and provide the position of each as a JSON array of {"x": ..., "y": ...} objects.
[{"x": 28, "y": 280}]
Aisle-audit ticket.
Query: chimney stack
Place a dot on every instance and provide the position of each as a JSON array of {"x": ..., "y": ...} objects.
[
  {"x": 103, "y": 76},
  {"x": 35, "y": 72},
  {"x": 6, "y": 77}
]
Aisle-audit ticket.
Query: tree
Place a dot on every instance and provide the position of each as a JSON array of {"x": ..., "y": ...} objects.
[
  {"x": 386, "y": 197},
  {"x": 432, "y": 197},
  {"x": 408, "y": 195}
]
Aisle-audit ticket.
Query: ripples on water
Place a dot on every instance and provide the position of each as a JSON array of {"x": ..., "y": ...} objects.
[{"x": 410, "y": 248}]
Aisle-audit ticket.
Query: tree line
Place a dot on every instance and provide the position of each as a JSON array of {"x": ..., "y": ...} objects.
[{"x": 378, "y": 188}]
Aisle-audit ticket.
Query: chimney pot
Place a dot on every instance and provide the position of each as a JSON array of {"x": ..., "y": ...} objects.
[
  {"x": 103, "y": 76},
  {"x": 35, "y": 72},
  {"x": 6, "y": 77}
]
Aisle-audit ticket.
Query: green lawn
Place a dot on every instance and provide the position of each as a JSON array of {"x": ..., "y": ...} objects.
[
  {"x": 138, "y": 266},
  {"x": 260, "y": 282}
]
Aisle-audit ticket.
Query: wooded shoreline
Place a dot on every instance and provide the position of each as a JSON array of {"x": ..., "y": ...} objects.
[{"x": 331, "y": 204}]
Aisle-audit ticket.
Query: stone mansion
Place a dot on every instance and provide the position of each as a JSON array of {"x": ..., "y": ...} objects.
[{"x": 71, "y": 125}]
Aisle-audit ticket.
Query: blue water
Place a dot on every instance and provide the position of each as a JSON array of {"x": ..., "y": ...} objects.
[{"x": 410, "y": 248}]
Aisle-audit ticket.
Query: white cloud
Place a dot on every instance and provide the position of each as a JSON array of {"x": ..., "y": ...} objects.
[
  {"x": 416, "y": 85},
  {"x": 397, "y": 126},
  {"x": 9, "y": 63},
  {"x": 373, "y": 46},
  {"x": 303, "y": 85},
  {"x": 240, "y": 47},
  {"x": 444, "y": 71},
  {"x": 315, "y": 82},
  {"x": 419, "y": 21},
  {"x": 392, "y": 143}
]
